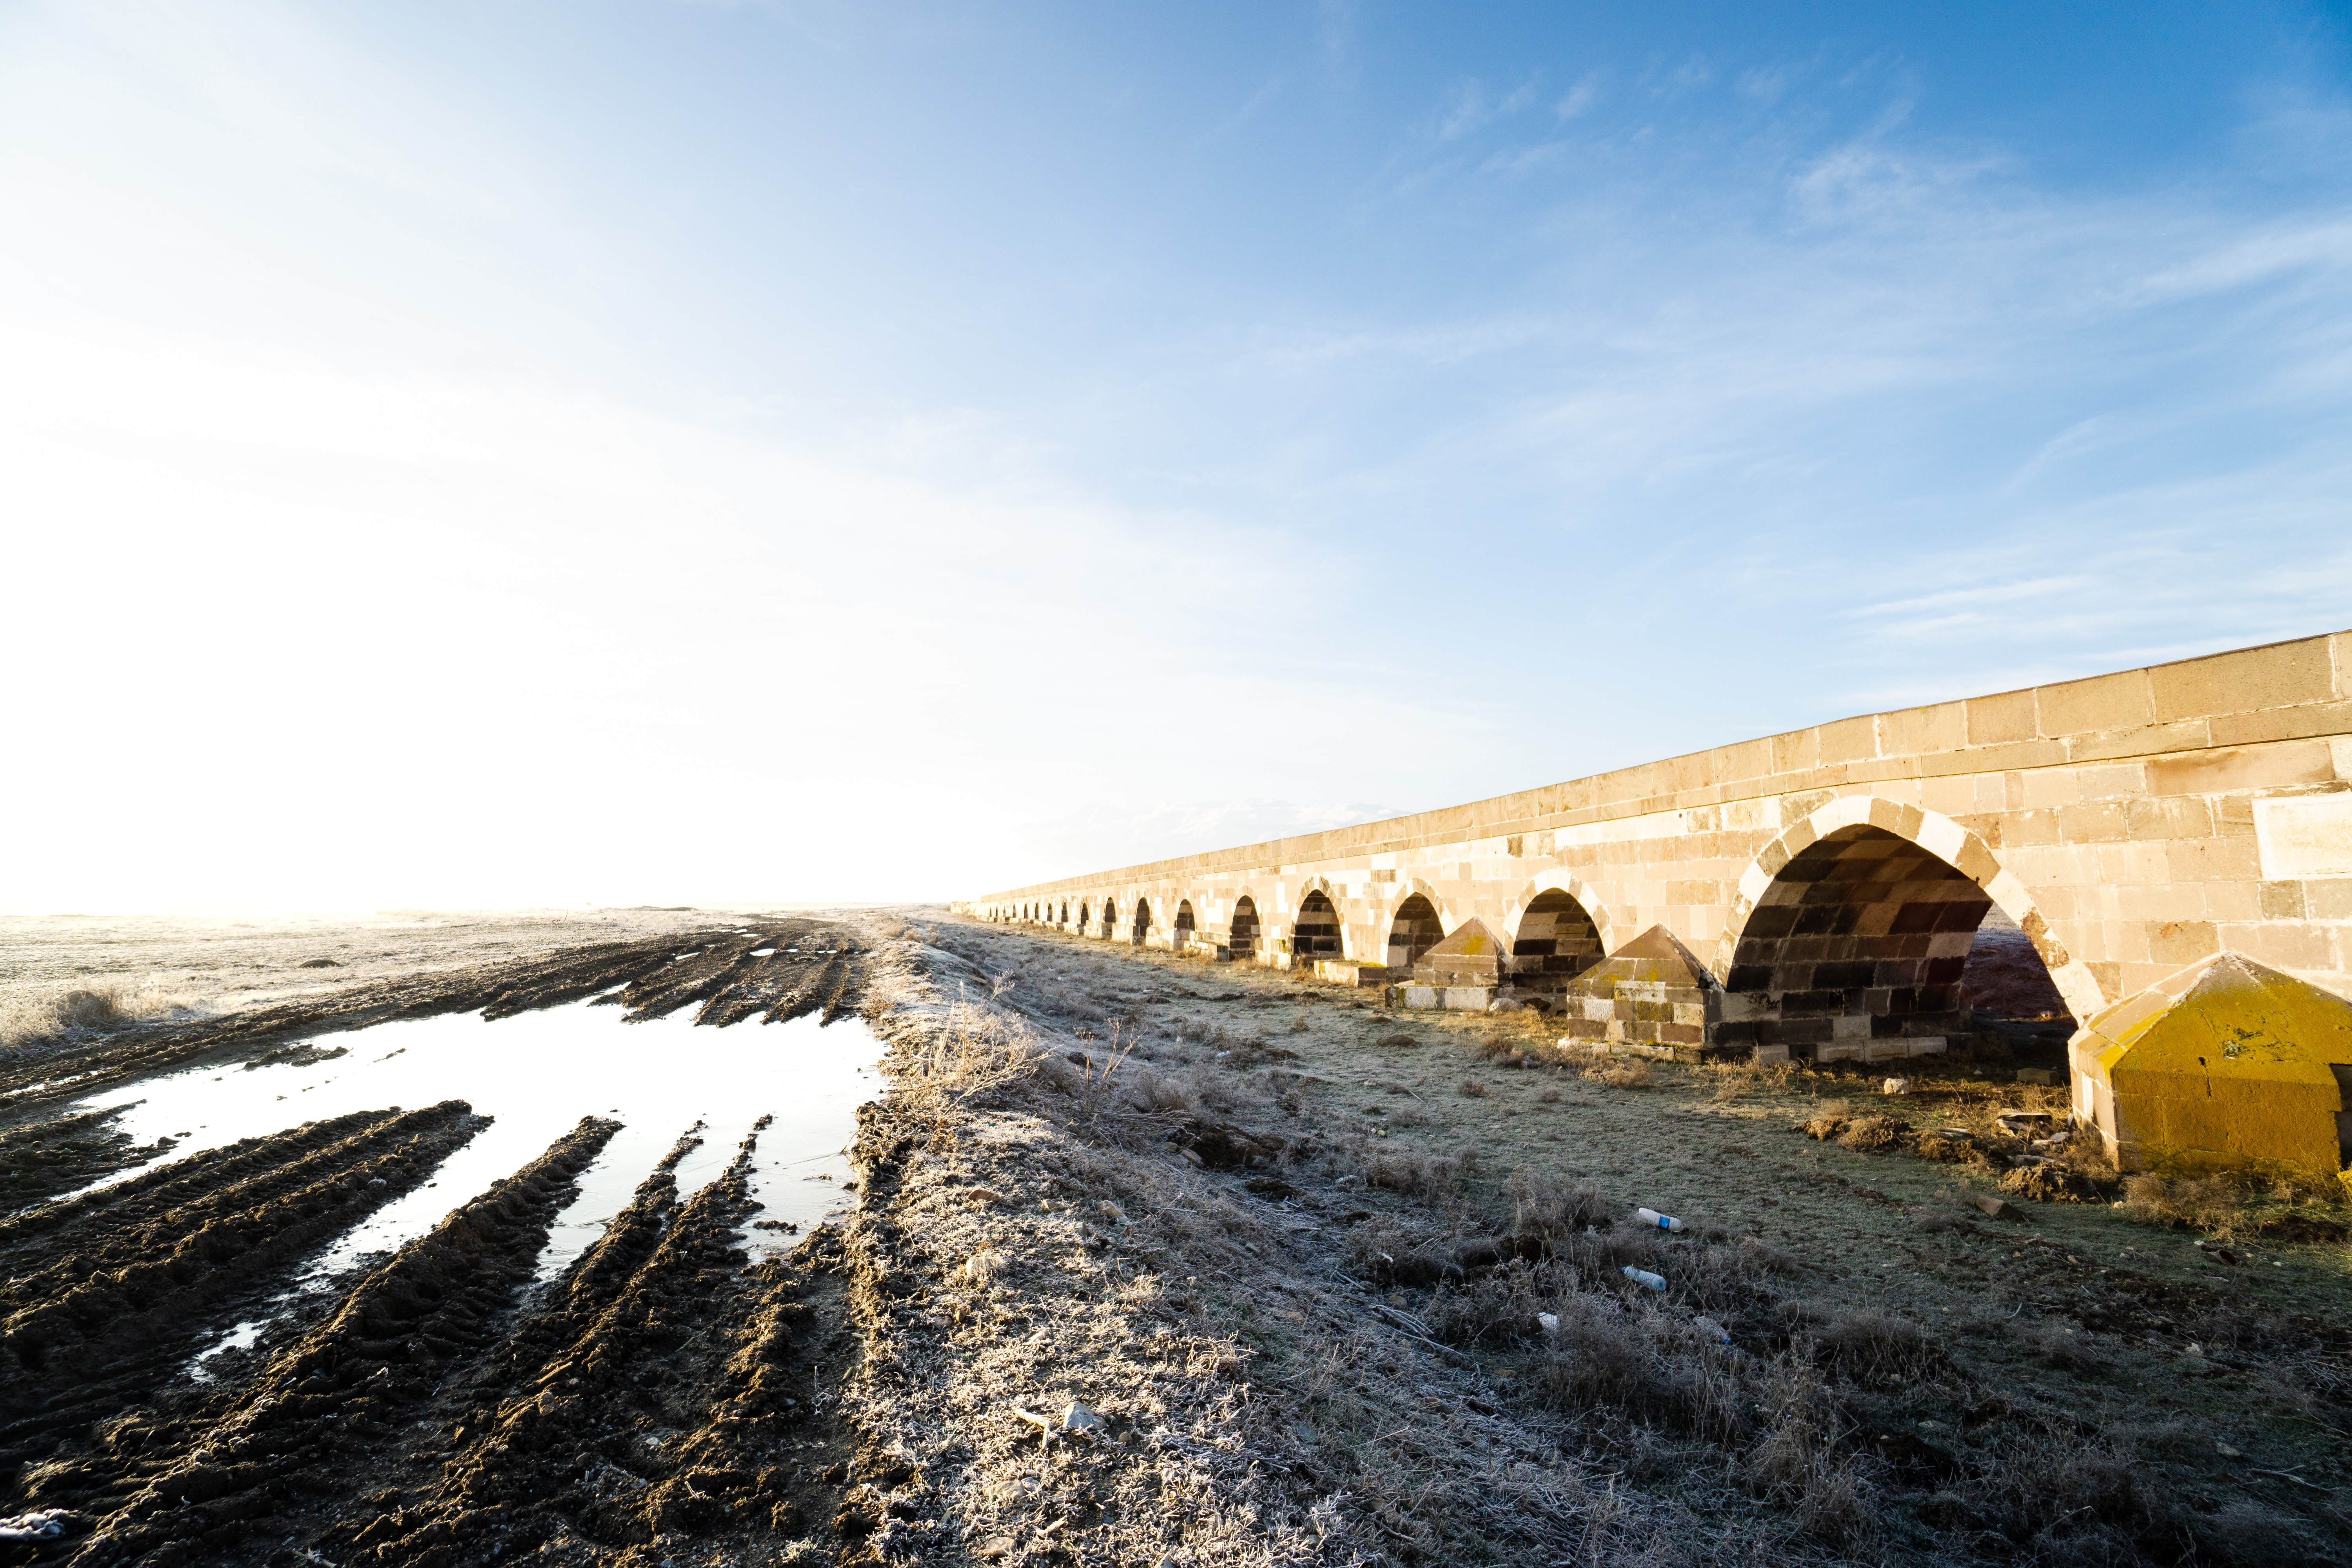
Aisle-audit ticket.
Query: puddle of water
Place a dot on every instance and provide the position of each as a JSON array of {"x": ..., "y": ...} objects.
[{"x": 537, "y": 1074}]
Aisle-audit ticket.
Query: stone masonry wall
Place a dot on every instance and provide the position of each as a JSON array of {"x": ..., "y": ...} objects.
[{"x": 1828, "y": 878}]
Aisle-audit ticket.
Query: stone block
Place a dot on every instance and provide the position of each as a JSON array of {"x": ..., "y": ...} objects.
[
  {"x": 1347, "y": 972},
  {"x": 2281, "y": 723},
  {"x": 1848, "y": 740},
  {"x": 2305, "y": 836},
  {"x": 1942, "y": 727},
  {"x": 2168, "y": 816},
  {"x": 2282, "y": 944},
  {"x": 1799, "y": 751},
  {"x": 2103, "y": 703},
  {"x": 1468, "y": 998},
  {"x": 2283, "y": 901},
  {"x": 2241, "y": 682},
  {"x": 2050, "y": 788},
  {"x": 2208, "y": 860},
  {"x": 2094, "y": 821},
  {"x": 2285, "y": 765},
  {"x": 2183, "y": 735},
  {"x": 2001, "y": 720},
  {"x": 1423, "y": 998}
]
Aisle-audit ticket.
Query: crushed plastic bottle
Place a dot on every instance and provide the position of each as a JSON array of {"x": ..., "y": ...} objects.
[
  {"x": 1712, "y": 1329},
  {"x": 1548, "y": 1321},
  {"x": 1644, "y": 1278},
  {"x": 1662, "y": 1221}
]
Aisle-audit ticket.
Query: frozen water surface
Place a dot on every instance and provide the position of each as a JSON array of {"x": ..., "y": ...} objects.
[{"x": 537, "y": 1074}]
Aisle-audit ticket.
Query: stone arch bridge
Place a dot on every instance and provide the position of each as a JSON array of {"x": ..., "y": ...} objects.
[{"x": 1816, "y": 893}]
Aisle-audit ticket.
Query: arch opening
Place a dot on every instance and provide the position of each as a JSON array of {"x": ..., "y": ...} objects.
[
  {"x": 1414, "y": 932},
  {"x": 1085, "y": 916},
  {"x": 1143, "y": 924},
  {"x": 1110, "y": 919},
  {"x": 1066, "y": 913},
  {"x": 1184, "y": 926},
  {"x": 1861, "y": 948},
  {"x": 1557, "y": 941},
  {"x": 1244, "y": 938},
  {"x": 1315, "y": 933}
]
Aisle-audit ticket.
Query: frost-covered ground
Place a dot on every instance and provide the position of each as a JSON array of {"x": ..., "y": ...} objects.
[{"x": 73, "y": 977}]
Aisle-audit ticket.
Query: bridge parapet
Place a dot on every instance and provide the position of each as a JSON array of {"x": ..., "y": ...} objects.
[{"x": 1828, "y": 881}]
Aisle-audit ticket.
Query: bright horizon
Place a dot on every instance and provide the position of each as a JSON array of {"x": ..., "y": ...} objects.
[{"x": 736, "y": 455}]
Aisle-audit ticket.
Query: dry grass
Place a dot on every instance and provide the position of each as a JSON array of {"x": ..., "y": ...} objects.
[
  {"x": 1865, "y": 1344},
  {"x": 1551, "y": 1207},
  {"x": 66, "y": 1013},
  {"x": 1871, "y": 1133},
  {"x": 970, "y": 1050},
  {"x": 2214, "y": 1204},
  {"x": 1620, "y": 1075},
  {"x": 1416, "y": 1172},
  {"x": 1409, "y": 1425}
]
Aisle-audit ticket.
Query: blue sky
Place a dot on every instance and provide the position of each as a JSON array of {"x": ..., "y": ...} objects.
[{"x": 492, "y": 454}]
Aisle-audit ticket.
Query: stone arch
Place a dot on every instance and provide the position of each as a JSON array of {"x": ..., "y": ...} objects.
[
  {"x": 1246, "y": 931},
  {"x": 1140, "y": 927},
  {"x": 1385, "y": 915},
  {"x": 1413, "y": 924},
  {"x": 1180, "y": 935},
  {"x": 1085, "y": 916},
  {"x": 1109, "y": 926},
  {"x": 1612, "y": 936},
  {"x": 1850, "y": 929},
  {"x": 1558, "y": 931},
  {"x": 1317, "y": 931}
]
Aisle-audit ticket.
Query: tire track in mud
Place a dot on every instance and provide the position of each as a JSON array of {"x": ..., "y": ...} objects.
[
  {"x": 37, "y": 1163},
  {"x": 807, "y": 996},
  {"x": 652, "y": 978},
  {"x": 699, "y": 977},
  {"x": 715, "y": 969},
  {"x": 648, "y": 1400},
  {"x": 196, "y": 1488},
  {"x": 657, "y": 1390},
  {"x": 105, "y": 1304}
]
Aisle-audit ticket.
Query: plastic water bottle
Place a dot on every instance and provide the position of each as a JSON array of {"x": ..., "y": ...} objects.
[
  {"x": 1644, "y": 1278},
  {"x": 1712, "y": 1329},
  {"x": 1662, "y": 1221}
]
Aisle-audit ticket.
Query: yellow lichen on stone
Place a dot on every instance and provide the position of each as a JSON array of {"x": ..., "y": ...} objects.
[{"x": 2225, "y": 1064}]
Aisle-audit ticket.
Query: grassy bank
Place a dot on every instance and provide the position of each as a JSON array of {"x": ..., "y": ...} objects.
[{"x": 1328, "y": 1283}]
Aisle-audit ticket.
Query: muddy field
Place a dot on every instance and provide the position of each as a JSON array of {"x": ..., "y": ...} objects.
[
  {"x": 1159, "y": 1262},
  {"x": 438, "y": 1405}
]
